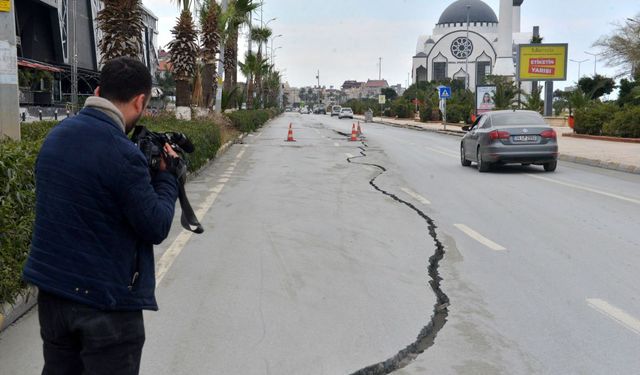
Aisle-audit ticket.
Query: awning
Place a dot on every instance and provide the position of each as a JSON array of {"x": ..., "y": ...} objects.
[{"x": 38, "y": 66}]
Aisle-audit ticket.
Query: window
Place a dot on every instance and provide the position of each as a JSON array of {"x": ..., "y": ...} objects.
[
  {"x": 483, "y": 69},
  {"x": 421, "y": 74},
  {"x": 439, "y": 71},
  {"x": 487, "y": 123},
  {"x": 518, "y": 118}
]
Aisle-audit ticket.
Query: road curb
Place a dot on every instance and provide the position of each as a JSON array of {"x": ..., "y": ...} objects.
[
  {"x": 620, "y": 167},
  {"x": 10, "y": 313},
  {"x": 601, "y": 163}
]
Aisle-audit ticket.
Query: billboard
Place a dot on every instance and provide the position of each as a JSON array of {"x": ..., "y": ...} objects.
[
  {"x": 542, "y": 62},
  {"x": 485, "y": 99}
]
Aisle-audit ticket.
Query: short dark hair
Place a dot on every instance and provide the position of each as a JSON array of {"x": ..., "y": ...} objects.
[{"x": 124, "y": 78}]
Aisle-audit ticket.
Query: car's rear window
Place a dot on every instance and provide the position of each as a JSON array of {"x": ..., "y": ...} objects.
[{"x": 516, "y": 118}]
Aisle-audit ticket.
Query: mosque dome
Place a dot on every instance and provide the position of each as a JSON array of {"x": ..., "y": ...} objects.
[{"x": 479, "y": 11}]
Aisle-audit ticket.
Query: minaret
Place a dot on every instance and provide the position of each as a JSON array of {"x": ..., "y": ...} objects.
[
  {"x": 516, "y": 15},
  {"x": 504, "y": 63}
]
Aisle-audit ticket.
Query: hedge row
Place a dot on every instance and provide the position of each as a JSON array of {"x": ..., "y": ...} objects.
[
  {"x": 17, "y": 181},
  {"x": 248, "y": 121},
  {"x": 608, "y": 119}
]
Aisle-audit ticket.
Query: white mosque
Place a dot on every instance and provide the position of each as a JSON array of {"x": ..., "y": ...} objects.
[{"x": 470, "y": 42}]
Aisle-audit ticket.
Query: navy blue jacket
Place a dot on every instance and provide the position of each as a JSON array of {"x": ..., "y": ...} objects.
[{"x": 98, "y": 214}]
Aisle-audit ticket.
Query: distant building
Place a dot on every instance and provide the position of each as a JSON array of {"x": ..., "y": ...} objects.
[
  {"x": 348, "y": 85},
  {"x": 45, "y": 43},
  {"x": 372, "y": 88}
]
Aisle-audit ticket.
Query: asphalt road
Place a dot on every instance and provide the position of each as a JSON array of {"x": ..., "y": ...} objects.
[{"x": 306, "y": 268}]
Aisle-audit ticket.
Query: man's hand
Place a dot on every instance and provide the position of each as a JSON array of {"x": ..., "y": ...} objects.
[{"x": 170, "y": 154}]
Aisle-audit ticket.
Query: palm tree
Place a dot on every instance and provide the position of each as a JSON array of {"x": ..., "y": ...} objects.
[
  {"x": 506, "y": 93},
  {"x": 251, "y": 67},
  {"x": 273, "y": 82},
  {"x": 184, "y": 52},
  {"x": 239, "y": 14},
  {"x": 260, "y": 35},
  {"x": 121, "y": 25},
  {"x": 210, "y": 17}
]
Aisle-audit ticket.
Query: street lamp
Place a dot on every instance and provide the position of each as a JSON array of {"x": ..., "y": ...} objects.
[
  {"x": 272, "y": 39},
  {"x": 579, "y": 64},
  {"x": 265, "y": 24},
  {"x": 272, "y": 55},
  {"x": 595, "y": 60},
  {"x": 467, "y": 60}
]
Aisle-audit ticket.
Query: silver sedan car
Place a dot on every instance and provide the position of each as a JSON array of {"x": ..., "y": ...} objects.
[{"x": 509, "y": 137}]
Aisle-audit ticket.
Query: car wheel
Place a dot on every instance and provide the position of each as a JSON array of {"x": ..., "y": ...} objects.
[
  {"x": 551, "y": 166},
  {"x": 463, "y": 158},
  {"x": 483, "y": 166}
]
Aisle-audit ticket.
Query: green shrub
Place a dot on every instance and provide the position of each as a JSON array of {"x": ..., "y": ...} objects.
[
  {"x": 625, "y": 123},
  {"x": 17, "y": 210},
  {"x": 591, "y": 118},
  {"x": 36, "y": 131},
  {"x": 457, "y": 112},
  {"x": 251, "y": 120},
  {"x": 402, "y": 108}
]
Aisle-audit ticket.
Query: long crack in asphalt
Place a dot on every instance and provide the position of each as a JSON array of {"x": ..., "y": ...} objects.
[{"x": 427, "y": 335}]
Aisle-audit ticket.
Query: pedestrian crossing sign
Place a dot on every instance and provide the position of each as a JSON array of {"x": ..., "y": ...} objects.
[{"x": 444, "y": 92}]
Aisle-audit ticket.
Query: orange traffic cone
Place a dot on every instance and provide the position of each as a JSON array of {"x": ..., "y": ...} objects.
[
  {"x": 359, "y": 129},
  {"x": 290, "y": 135},
  {"x": 354, "y": 136}
]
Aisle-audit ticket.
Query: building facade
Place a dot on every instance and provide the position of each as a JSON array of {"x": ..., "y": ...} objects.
[
  {"x": 464, "y": 43},
  {"x": 47, "y": 32}
]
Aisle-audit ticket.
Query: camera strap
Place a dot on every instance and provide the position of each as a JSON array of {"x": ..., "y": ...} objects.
[{"x": 188, "y": 218}]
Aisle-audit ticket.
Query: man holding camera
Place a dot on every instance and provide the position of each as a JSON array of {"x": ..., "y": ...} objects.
[{"x": 99, "y": 211}]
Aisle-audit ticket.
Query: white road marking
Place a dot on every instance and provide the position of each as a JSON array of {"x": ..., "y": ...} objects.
[
  {"x": 349, "y": 155},
  {"x": 223, "y": 180},
  {"x": 416, "y": 196},
  {"x": 336, "y": 144},
  {"x": 480, "y": 238},
  {"x": 450, "y": 154},
  {"x": 579, "y": 187},
  {"x": 616, "y": 314},
  {"x": 169, "y": 256},
  {"x": 259, "y": 134}
]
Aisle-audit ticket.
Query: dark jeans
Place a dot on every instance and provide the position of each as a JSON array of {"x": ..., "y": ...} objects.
[{"x": 82, "y": 340}]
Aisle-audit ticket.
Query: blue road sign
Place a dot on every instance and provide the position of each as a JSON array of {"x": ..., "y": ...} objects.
[{"x": 444, "y": 92}]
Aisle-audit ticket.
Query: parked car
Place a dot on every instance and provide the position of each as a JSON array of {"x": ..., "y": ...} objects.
[
  {"x": 305, "y": 111},
  {"x": 335, "y": 110},
  {"x": 320, "y": 111},
  {"x": 346, "y": 112},
  {"x": 509, "y": 137}
]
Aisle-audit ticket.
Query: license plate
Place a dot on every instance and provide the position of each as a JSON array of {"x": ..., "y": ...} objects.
[{"x": 525, "y": 138}]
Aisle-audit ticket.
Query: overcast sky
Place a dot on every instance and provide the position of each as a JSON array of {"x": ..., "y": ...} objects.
[{"x": 344, "y": 38}]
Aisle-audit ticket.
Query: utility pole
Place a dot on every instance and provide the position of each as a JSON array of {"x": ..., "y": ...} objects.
[
  {"x": 9, "y": 103},
  {"x": 318, "y": 78},
  {"x": 380, "y": 69},
  {"x": 221, "y": 71}
]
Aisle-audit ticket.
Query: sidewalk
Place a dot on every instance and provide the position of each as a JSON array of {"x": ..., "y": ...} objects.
[{"x": 618, "y": 156}]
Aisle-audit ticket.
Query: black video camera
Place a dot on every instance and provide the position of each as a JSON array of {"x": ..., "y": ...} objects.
[{"x": 152, "y": 146}]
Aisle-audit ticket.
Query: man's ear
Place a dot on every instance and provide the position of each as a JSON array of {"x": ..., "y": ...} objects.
[
  {"x": 96, "y": 92},
  {"x": 140, "y": 103}
]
